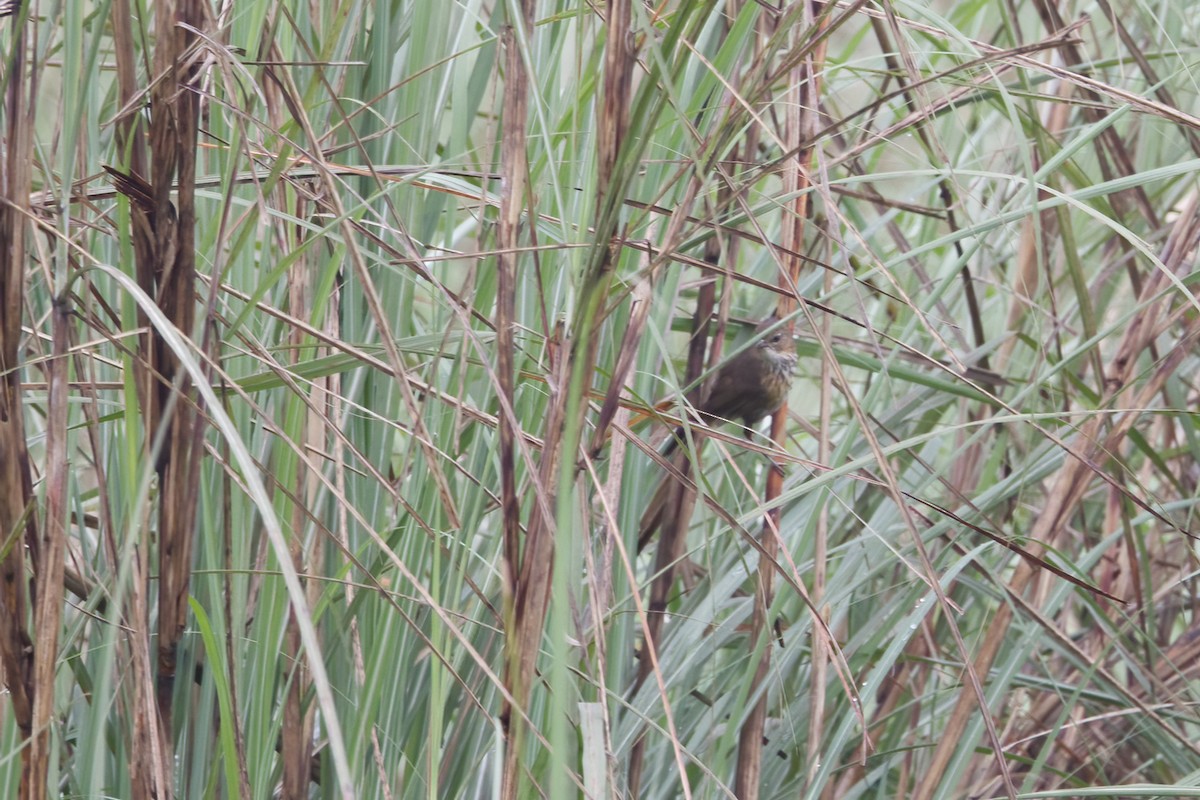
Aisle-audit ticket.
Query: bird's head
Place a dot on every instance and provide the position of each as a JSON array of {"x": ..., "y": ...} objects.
[{"x": 776, "y": 341}]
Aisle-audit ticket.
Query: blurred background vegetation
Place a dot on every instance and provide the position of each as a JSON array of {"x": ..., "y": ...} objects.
[{"x": 331, "y": 335}]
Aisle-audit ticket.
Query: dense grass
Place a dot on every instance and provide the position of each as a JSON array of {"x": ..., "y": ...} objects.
[{"x": 976, "y": 576}]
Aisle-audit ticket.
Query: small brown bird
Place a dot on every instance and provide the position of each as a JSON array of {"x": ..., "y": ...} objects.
[{"x": 751, "y": 386}]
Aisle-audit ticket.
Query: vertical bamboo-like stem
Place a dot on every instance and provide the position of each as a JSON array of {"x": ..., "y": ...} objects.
[
  {"x": 297, "y": 733},
  {"x": 675, "y": 499},
  {"x": 48, "y": 585},
  {"x": 523, "y": 603},
  {"x": 18, "y": 523},
  {"x": 820, "y": 645},
  {"x": 163, "y": 239},
  {"x": 802, "y": 102},
  {"x": 173, "y": 137},
  {"x": 148, "y": 746}
]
